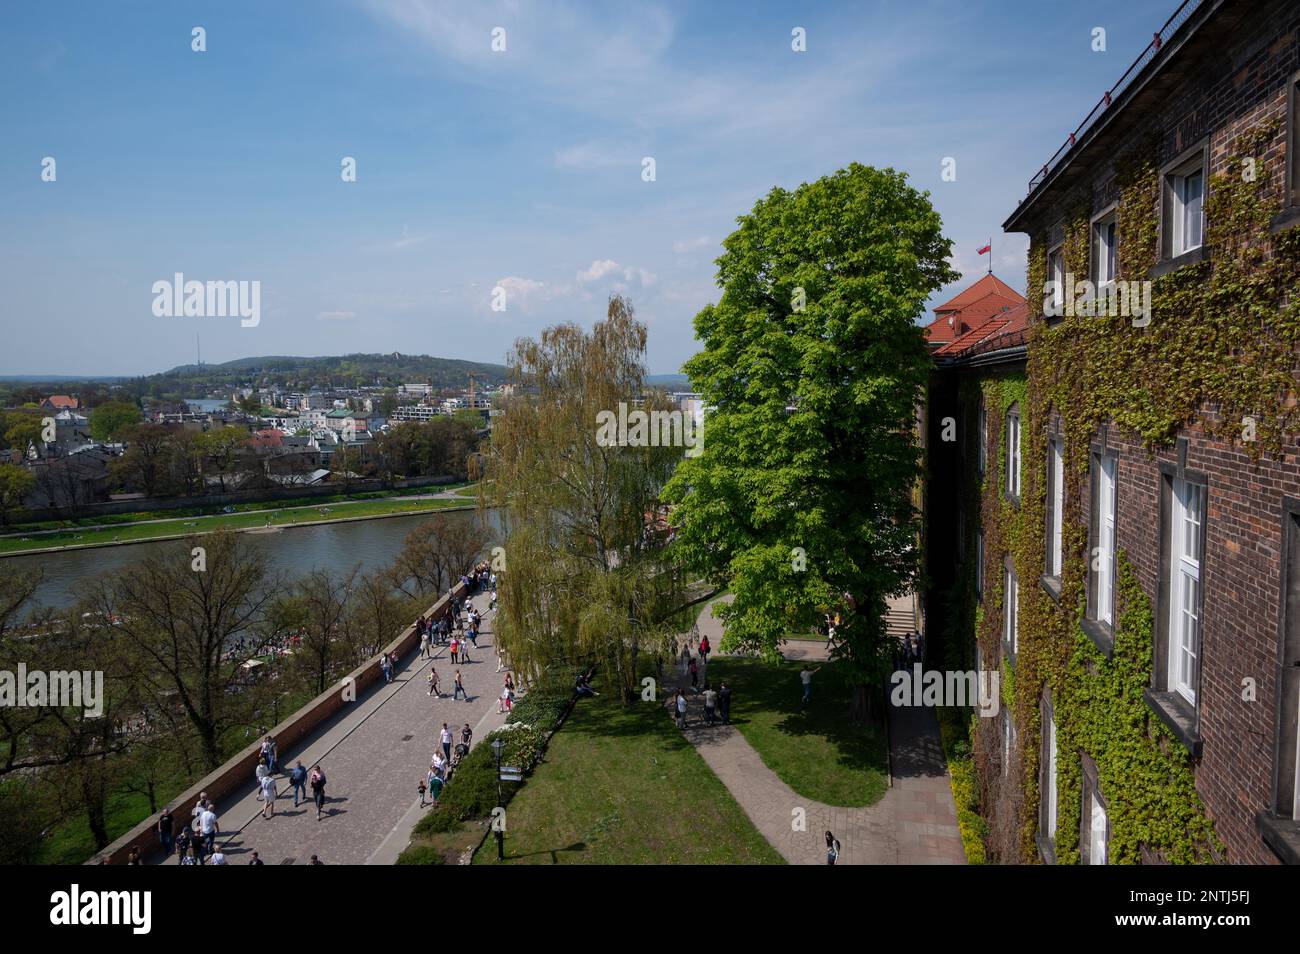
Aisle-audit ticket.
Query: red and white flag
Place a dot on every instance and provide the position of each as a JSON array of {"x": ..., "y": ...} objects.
[{"x": 985, "y": 249}]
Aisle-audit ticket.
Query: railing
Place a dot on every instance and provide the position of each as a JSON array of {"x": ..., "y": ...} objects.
[{"x": 1185, "y": 10}]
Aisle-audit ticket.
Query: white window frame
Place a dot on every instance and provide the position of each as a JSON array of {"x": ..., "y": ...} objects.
[
  {"x": 1186, "y": 535},
  {"x": 1056, "y": 275},
  {"x": 1051, "y": 778},
  {"x": 1010, "y": 609},
  {"x": 1107, "y": 475},
  {"x": 1097, "y": 832},
  {"x": 1105, "y": 251},
  {"x": 1187, "y": 229},
  {"x": 984, "y": 438},
  {"x": 1013, "y": 454},
  {"x": 1056, "y": 463}
]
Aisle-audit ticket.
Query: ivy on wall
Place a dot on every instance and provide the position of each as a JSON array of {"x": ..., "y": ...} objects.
[{"x": 1219, "y": 349}]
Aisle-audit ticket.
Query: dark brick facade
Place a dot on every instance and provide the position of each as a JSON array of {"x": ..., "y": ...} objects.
[{"x": 1233, "y": 70}]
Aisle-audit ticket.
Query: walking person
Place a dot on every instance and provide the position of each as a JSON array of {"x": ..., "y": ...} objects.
[
  {"x": 183, "y": 847},
  {"x": 464, "y": 646},
  {"x": 318, "y": 789},
  {"x": 681, "y": 709},
  {"x": 268, "y": 797},
  {"x": 421, "y": 788},
  {"x": 386, "y": 667},
  {"x": 466, "y": 735},
  {"x": 298, "y": 781},
  {"x": 166, "y": 831},
  {"x": 832, "y": 849},
  {"x": 433, "y": 683},
  {"x": 209, "y": 828},
  {"x": 705, "y": 649},
  {"x": 444, "y": 739},
  {"x": 805, "y": 676},
  {"x": 710, "y": 703},
  {"x": 695, "y": 675},
  {"x": 455, "y": 648},
  {"x": 460, "y": 689},
  {"x": 724, "y": 703}
]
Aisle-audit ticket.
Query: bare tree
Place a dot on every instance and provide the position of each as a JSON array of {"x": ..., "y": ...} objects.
[{"x": 437, "y": 552}]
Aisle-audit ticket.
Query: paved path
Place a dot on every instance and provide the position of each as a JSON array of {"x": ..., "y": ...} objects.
[
  {"x": 914, "y": 823},
  {"x": 373, "y": 756}
]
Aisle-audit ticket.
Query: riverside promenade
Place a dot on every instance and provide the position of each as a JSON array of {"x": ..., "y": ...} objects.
[{"x": 373, "y": 754}]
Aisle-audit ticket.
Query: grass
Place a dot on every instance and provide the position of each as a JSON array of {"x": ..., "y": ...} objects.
[
  {"x": 818, "y": 752},
  {"x": 278, "y": 516},
  {"x": 622, "y": 786}
]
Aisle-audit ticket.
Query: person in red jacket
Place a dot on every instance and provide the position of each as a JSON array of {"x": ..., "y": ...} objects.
[{"x": 705, "y": 648}]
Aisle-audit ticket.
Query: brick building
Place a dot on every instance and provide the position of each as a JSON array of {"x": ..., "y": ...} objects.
[{"x": 1116, "y": 523}]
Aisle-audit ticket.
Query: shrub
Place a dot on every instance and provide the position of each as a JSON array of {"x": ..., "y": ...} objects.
[
  {"x": 437, "y": 821},
  {"x": 421, "y": 855}
]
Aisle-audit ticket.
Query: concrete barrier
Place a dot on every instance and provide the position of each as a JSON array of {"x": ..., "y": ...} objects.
[{"x": 238, "y": 772}]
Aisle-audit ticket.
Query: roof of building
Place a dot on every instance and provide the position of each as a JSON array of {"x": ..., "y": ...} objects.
[
  {"x": 989, "y": 300},
  {"x": 1002, "y": 327},
  {"x": 62, "y": 401}
]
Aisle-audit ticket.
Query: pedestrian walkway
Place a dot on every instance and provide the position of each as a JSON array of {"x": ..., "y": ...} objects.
[
  {"x": 373, "y": 756},
  {"x": 914, "y": 823}
]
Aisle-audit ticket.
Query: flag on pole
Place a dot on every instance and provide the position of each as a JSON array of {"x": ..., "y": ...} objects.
[{"x": 985, "y": 249}]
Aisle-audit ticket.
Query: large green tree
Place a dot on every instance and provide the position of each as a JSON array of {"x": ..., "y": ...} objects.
[
  {"x": 110, "y": 419},
  {"x": 802, "y": 500}
]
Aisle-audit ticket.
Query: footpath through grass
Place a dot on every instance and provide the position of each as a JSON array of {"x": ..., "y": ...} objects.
[
  {"x": 817, "y": 751},
  {"x": 622, "y": 786}
]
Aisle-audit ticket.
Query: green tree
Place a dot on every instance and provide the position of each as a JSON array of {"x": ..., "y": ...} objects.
[
  {"x": 15, "y": 484},
  {"x": 802, "y": 500},
  {"x": 584, "y": 581},
  {"x": 110, "y": 419}
]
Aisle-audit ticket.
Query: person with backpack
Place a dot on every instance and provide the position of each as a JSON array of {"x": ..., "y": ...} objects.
[
  {"x": 298, "y": 780},
  {"x": 268, "y": 797},
  {"x": 832, "y": 849},
  {"x": 710, "y": 703},
  {"x": 318, "y": 789}
]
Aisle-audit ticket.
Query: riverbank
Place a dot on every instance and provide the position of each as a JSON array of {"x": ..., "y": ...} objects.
[{"x": 250, "y": 521}]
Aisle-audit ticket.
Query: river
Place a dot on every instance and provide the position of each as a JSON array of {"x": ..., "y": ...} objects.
[{"x": 294, "y": 550}]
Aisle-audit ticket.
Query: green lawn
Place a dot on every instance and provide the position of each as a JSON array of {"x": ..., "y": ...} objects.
[
  {"x": 244, "y": 520},
  {"x": 622, "y": 786},
  {"x": 817, "y": 752}
]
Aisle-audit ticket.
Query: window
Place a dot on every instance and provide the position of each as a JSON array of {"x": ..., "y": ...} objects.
[
  {"x": 1097, "y": 831},
  {"x": 1008, "y": 741},
  {"x": 1094, "y": 820},
  {"x": 1103, "y": 553},
  {"x": 1186, "y": 529},
  {"x": 1293, "y": 141},
  {"x": 984, "y": 438},
  {"x": 1105, "y": 243},
  {"x": 1055, "y": 307},
  {"x": 1047, "y": 781},
  {"x": 1056, "y": 498},
  {"x": 1184, "y": 197},
  {"x": 979, "y": 564},
  {"x": 1010, "y": 600},
  {"x": 1013, "y": 454}
]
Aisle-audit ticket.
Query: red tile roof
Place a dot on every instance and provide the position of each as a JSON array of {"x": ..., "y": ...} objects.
[
  {"x": 1006, "y": 324},
  {"x": 986, "y": 308},
  {"x": 62, "y": 401}
]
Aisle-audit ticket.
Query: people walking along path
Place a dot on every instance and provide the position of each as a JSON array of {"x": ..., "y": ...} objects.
[
  {"x": 372, "y": 756},
  {"x": 914, "y": 823}
]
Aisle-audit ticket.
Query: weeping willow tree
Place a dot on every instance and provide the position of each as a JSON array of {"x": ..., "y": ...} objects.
[{"x": 586, "y": 578}]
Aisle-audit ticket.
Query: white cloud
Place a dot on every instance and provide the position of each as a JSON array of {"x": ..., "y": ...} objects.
[
  {"x": 626, "y": 278},
  {"x": 690, "y": 245}
]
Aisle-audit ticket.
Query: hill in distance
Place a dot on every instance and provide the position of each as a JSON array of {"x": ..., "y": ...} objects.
[{"x": 354, "y": 370}]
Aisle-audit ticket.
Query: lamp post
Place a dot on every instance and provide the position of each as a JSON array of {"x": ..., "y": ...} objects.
[{"x": 499, "y": 820}]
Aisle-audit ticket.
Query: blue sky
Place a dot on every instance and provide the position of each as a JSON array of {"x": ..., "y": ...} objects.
[{"x": 476, "y": 169}]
